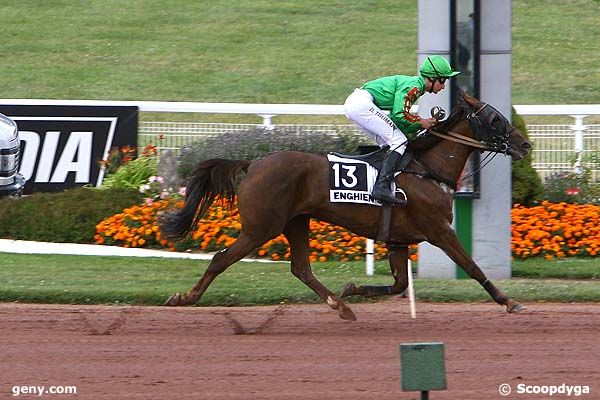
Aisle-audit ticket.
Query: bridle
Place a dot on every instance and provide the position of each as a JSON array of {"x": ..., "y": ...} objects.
[
  {"x": 486, "y": 136},
  {"x": 491, "y": 132}
]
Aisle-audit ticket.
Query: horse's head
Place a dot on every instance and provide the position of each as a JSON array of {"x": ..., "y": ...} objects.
[{"x": 490, "y": 127}]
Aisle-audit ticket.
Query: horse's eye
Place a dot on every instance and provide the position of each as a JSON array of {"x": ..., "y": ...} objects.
[{"x": 496, "y": 122}]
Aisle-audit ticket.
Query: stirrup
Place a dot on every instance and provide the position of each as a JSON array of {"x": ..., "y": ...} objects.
[
  {"x": 403, "y": 198},
  {"x": 389, "y": 198}
]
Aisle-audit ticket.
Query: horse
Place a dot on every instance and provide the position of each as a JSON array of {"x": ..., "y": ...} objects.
[{"x": 281, "y": 191}]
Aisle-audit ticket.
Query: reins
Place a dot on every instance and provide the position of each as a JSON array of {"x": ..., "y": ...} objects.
[
  {"x": 462, "y": 139},
  {"x": 482, "y": 164},
  {"x": 458, "y": 138}
]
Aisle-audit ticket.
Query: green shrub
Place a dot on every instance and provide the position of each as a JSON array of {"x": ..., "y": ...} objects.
[
  {"x": 527, "y": 186},
  {"x": 572, "y": 187},
  {"x": 590, "y": 163},
  {"x": 70, "y": 216},
  {"x": 251, "y": 144},
  {"x": 132, "y": 174},
  {"x": 575, "y": 187}
]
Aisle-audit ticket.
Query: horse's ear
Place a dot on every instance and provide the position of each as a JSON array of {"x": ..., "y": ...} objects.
[{"x": 472, "y": 101}]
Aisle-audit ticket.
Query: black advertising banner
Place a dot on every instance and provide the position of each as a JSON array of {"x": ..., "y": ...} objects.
[{"x": 62, "y": 145}]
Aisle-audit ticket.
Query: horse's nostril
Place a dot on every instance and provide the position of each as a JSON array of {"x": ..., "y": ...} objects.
[{"x": 526, "y": 146}]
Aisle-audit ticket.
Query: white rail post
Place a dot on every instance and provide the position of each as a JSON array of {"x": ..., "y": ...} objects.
[
  {"x": 579, "y": 128},
  {"x": 370, "y": 269},
  {"x": 267, "y": 121},
  {"x": 411, "y": 291}
]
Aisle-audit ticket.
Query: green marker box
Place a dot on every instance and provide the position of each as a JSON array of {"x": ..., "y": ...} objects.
[{"x": 422, "y": 366}]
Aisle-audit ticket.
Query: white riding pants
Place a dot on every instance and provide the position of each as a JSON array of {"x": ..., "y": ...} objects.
[{"x": 361, "y": 110}]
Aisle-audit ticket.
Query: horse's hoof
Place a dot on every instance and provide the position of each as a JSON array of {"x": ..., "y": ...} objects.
[
  {"x": 346, "y": 313},
  {"x": 348, "y": 290},
  {"x": 174, "y": 300},
  {"x": 515, "y": 307}
]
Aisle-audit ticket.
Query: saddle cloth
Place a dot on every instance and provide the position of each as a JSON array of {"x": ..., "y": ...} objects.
[{"x": 351, "y": 181}]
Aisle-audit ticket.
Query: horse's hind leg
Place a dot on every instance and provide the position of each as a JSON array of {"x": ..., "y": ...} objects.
[
  {"x": 398, "y": 260},
  {"x": 219, "y": 263},
  {"x": 296, "y": 232}
]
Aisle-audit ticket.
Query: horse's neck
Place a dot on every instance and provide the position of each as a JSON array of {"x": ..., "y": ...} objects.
[{"x": 448, "y": 159}]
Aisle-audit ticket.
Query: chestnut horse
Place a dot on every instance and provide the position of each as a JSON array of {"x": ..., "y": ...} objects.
[{"x": 282, "y": 191}]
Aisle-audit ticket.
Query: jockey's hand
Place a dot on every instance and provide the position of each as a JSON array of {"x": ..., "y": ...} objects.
[{"x": 428, "y": 123}]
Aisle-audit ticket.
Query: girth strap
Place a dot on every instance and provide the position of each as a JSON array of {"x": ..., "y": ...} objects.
[{"x": 429, "y": 174}]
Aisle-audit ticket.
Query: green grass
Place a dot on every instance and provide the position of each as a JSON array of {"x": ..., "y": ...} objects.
[
  {"x": 149, "y": 281},
  {"x": 553, "y": 43},
  {"x": 267, "y": 51},
  {"x": 237, "y": 51},
  {"x": 568, "y": 268}
]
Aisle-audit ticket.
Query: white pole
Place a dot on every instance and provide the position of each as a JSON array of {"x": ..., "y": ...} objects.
[
  {"x": 370, "y": 269},
  {"x": 267, "y": 123},
  {"x": 579, "y": 129},
  {"x": 411, "y": 291}
]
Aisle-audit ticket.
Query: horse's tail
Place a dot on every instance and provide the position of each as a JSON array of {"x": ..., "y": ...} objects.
[{"x": 211, "y": 178}]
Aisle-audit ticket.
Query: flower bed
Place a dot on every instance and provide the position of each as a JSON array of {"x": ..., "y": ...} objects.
[
  {"x": 549, "y": 230},
  {"x": 137, "y": 227},
  {"x": 555, "y": 230}
]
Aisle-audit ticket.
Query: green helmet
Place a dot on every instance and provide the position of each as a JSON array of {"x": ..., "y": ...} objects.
[{"x": 437, "y": 67}]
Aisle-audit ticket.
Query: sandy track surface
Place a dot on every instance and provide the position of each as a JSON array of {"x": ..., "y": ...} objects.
[{"x": 293, "y": 351}]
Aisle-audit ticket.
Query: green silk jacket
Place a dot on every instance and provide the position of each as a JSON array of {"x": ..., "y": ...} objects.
[{"x": 397, "y": 94}]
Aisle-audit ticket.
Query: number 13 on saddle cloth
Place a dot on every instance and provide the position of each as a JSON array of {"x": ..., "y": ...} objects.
[{"x": 352, "y": 181}]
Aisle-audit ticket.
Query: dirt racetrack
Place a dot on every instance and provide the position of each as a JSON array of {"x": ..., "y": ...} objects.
[{"x": 293, "y": 351}]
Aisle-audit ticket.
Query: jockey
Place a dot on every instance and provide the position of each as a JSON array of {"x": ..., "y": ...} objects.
[{"x": 397, "y": 94}]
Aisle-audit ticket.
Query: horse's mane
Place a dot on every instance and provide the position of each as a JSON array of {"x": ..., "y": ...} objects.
[
  {"x": 424, "y": 142},
  {"x": 457, "y": 114}
]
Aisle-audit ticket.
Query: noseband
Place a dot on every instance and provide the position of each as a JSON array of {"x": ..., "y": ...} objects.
[{"x": 486, "y": 135}]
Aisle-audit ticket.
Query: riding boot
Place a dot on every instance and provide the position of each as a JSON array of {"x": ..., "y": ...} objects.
[{"x": 382, "y": 190}]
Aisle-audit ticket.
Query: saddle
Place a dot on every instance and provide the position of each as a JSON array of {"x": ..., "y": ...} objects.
[{"x": 375, "y": 158}]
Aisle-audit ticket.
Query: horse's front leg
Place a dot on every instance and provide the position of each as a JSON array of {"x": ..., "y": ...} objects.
[
  {"x": 449, "y": 243},
  {"x": 398, "y": 260}
]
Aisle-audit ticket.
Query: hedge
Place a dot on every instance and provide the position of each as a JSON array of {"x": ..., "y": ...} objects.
[{"x": 67, "y": 217}]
